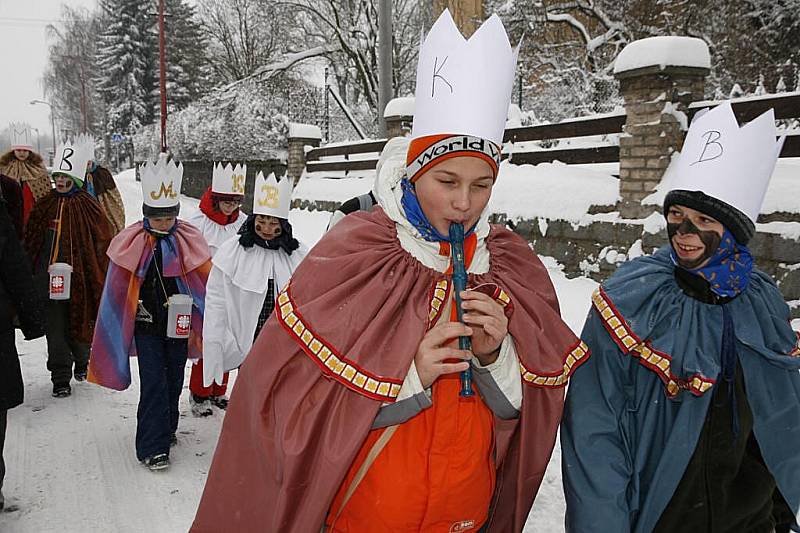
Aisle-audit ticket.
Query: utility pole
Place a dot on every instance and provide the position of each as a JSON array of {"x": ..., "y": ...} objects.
[
  {"x": 162, "y": 64},
  {"x": 38, "y": 141},
  {"x": 52, "y": 123},
  {"x": 385, "y": 57},
  {"x": 467, "y": 14},
  {"x": 327, "y": 109}
]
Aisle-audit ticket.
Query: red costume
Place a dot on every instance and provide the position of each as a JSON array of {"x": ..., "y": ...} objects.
[{"x": 339, "y": 345}]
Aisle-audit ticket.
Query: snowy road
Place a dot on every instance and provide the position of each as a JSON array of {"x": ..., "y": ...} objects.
[
  {"x": 71, "y": 464},
  {"x": 72, "y": 467}
]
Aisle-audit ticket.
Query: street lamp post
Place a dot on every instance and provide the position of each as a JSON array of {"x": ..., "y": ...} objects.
[
  {"x": 52, "y": 124},
  {"x": 38, "y": 140}
]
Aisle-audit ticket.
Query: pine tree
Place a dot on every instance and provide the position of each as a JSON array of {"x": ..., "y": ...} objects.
[
  {"x": 188, "y": 73},
  {"x": 125, "y": 59}
]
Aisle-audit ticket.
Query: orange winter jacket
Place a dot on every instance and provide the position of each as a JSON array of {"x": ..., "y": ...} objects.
[{"x": 435, "y": 474}]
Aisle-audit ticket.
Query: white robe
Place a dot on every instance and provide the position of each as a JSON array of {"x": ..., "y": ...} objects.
[
  {"x": 215, "y": 234},
  {"x": 235, "y": 295}
]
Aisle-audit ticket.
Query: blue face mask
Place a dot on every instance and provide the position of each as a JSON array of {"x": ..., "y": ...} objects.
[
  {"x": 416, "y": 216},
  {"x": 728, "y": 270}
]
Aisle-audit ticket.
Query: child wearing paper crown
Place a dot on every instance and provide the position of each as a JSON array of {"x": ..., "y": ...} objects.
[
  {"x": 218, "y": 220},
  {"x": 68, "y": 226},
  {"x": 347, "y": 412},
  {"x": 249, "y": 270},
  {"x": 152, "y": 261},
  {"x": 26, "y": 167},
  {"x": 100, "y": 184},
  {"x": 687, "y": 415}
]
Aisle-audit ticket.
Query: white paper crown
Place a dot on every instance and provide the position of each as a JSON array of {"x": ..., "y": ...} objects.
[
  {"x": 727, "y": 162},
  {"x": 72, "y": 157},
  {"x": 88, "y": 141},
  {"x": 464, "y": 86},
  {"x": 161, "y": 182},
  {"x": 272, "y": 197},
  {"x": 228, "y": 179},
  {"x": 21, "y": 136}
]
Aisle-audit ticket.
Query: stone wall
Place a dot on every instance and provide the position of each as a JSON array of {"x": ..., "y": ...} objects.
[{"x": 597, "y": 249}]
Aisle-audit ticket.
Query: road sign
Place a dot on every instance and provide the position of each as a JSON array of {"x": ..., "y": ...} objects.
[{"x": 116, "y": 138}]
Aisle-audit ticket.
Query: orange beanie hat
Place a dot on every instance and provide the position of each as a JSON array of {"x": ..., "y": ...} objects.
[{"x": 427, "y": 151}]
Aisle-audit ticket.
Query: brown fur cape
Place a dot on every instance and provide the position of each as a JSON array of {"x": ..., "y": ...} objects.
[
  {"x": 31, "y": 171},
  {"x": 105, "y": 189},
  {"x": 85, "y": 236}
]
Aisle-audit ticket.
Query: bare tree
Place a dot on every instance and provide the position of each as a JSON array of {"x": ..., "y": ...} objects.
[
  {"x": 244, "y": 35},
  {"x": 348, "y": 29},
  {"x": 69, "y": 76}
]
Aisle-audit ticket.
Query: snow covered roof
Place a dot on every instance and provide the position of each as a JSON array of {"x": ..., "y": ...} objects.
[
  {"x": 663, "y": 52},
  {"x": 400, "y": 107},
  {"x": 304, "y": 131}
]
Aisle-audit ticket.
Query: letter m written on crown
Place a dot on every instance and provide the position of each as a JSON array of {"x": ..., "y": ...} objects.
[{"x": 165, "y": 191}]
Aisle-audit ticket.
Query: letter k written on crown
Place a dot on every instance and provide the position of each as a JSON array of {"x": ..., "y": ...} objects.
[{"x": 238, "y": 183}]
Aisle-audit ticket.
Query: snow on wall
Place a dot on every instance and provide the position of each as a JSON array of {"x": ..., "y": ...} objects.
[
  {"x": 304, "y": 131},
  {"x": 783, "y": 193},
  {"x": 552, "y": 190},
  {"x": 400, "y": 107},
  {"x": 663, "y": 51},
  {"x": 321, "y": 186}
]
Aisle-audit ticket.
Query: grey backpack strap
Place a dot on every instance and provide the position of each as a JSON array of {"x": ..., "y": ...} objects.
[{"x": 365, "y": 202}]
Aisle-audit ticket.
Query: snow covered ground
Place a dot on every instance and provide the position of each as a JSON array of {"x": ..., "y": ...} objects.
[{"x": 71, "y": 463}]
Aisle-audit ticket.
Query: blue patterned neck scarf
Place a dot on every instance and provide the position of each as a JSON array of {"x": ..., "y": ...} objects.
[
  {"x": 728, "y": 270},
  {"x": 416, "y": 216},
  {"x": 158, "y": 234}
]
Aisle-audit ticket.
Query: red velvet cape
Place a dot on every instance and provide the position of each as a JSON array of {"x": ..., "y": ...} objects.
[{"x": 361, "y": 303}]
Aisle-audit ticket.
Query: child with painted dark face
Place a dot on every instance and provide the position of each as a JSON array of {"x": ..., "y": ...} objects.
[
  {"x": 249, "y": 271},
  {"x": 687, "y": 415},
  {"x": 67, "y": 231},
  {"x": 692, "y": 246},
  {"x": 155, "y": 265}
]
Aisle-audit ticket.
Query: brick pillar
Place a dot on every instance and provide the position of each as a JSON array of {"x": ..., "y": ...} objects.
[
  {"x": 300, "y": 136},
  {"x": 656, "y": 100},
  {"x": 399, "y": 116}
]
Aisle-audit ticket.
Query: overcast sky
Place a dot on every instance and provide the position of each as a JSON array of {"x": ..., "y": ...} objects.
[{"x": 23, "y": 42}]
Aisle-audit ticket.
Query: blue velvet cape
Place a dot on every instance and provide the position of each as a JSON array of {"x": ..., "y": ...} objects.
[{"x": 636, "y": 408}]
